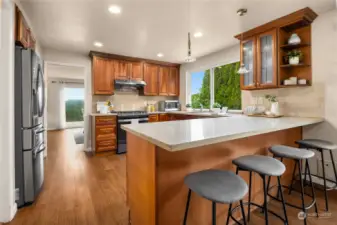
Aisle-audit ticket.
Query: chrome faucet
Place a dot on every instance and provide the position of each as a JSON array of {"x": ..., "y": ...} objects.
[{"x": 201, "y": 107}]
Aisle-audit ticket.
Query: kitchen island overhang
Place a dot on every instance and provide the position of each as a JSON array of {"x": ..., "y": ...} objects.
[{"x": 158, "y": 163}]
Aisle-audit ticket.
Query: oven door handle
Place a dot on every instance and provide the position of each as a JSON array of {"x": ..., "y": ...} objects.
[
  {"x": 123, "y": 121},
  {"x": 143, "y": 120}
]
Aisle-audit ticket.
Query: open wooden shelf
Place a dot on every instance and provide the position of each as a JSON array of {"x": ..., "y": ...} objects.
[
  {"x": 291, "y": 65},
  {"x": 292, "y": 46}
]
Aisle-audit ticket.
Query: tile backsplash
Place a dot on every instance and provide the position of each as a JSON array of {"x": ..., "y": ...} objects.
[{"x": 124, "y": 101}]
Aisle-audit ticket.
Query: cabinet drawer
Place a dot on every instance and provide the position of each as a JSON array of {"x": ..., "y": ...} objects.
[
  {"x": 153, "y": 118},
  {"x": 105, "y": 145},
  {"x": 102, "y": 130},
  {"x": 105, "y": 120}
]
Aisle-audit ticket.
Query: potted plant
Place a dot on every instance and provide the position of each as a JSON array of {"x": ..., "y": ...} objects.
[
  {"x": 294, "y": 56},
  {"x": 216, "y": 107},
  {"x": 189, "y": 107},
  {"x": 274, "y": 109}
]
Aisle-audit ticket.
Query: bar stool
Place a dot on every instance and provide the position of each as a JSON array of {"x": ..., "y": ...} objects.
[
  {"x": 218, "y": 186},
  {"x": 264, "y": 166},
  {"x": 321, "y": 146},
  {"x": 296, "y": 154}
]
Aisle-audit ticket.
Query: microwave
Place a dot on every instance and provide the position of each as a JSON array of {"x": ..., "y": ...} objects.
[{"x": 169, "y": 105}]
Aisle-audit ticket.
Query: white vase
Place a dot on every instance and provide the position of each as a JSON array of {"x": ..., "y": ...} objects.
[
  {"x": 275, "y": 109},
  {"x": 294, "y": 39},
  {"x": 216, "y": 110},
  {"x": 189, "y": 109},
  {"x": 294, "y": 60}
]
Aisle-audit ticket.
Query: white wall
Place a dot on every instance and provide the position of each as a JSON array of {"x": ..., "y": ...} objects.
[
  {"x": 225, "y": 56},
  {"x": 71, "y": 59},
  {"x": 7, "y": 172}
]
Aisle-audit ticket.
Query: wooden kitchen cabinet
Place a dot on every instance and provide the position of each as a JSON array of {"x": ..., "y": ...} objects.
[
  {"x": 264, "y": 51},
  {"x": 103, "y": 76},
  {"x": 153, "y": 118},
  {"x": 248, "y": 58},
  {"x": 164, "y": 73},
  {"x": 164, "y": 117},
  {"x": 23, "y": 34},
  {"x": 137, "y": 71},
  {"x": 267, "y": 59},
  {"x": 122, "y": 69},
  {"x": 151, "y": 79},
  {"x": 104, "y": 133},
  {"x": 173, "y": 82}
]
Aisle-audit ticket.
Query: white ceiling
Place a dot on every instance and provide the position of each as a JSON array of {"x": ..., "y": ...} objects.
[{"x": 146, "y": 27}]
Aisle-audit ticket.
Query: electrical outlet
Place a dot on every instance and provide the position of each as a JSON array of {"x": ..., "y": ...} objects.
[{"x": 17, "y": 194}]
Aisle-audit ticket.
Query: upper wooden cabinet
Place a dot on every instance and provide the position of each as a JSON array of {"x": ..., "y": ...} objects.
[
  {"x": 23, "y": 34},
  {"x": 137, "y": 71},
  {"x": 103, "y": 76},
  {"x": 267, "y": 59},
  {"x": 248, "y": 58},
  {"x": 263, "y": 51},
  {"x": 164, "y": 73},
  {"x": 173, "y": 82},
  {"x": 122, "y": 69},
  {"x": 151, "y": 79}
]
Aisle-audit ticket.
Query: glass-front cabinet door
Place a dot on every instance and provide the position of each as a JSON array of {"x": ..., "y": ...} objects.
[
  {"x": 266, "y": 59},
  {"x": 248, "y": 58}
]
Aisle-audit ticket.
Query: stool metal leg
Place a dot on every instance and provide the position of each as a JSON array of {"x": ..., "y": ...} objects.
[
  {"x": 187, "y": 206},
  {"x": 302, "y": 191},
  {"x": 312, "y": 186},
  {"x": 265, "y": 208},
  {"x": 229, "y": 213},
  {"x": 243, "y": 213},
  {"x": 213, "y": 213},
  {"x": 282, "y": 199},
  {"x": 333, "y": 165},
  {"x": 324, "y": 180},
  {"x": 249, "y": 194},
  {"x": 292, "y": 179}
]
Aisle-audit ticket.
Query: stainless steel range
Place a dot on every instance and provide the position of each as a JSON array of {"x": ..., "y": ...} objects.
[{"x": 128, "y": 117}]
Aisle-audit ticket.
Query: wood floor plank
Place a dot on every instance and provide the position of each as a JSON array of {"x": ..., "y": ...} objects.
[{"x": 81, "y": 189}]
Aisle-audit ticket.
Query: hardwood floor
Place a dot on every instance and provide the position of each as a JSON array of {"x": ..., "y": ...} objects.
[{"x": 81, "y": 189}]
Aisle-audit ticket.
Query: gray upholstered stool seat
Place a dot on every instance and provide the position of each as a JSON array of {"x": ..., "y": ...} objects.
[
  {"x": 261, "y": 164},
  {"x": 316, "y": 143},
  {"x": 217, "y": 185},
  {"x": 290, "y": 152}
]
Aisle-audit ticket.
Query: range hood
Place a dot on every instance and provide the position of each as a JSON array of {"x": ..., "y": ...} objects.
[{"x": 132, "y": 83}]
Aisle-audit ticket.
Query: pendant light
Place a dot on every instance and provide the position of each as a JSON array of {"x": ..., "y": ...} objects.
[
  {"x": 189, "y": 57},
  {"x": 242, "y": 70}
]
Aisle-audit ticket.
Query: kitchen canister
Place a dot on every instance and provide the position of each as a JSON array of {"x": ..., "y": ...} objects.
[{"x": 294, "y": 39}]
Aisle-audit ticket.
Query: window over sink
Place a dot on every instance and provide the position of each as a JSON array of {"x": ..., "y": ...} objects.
[{"x": 219, "y": 84}]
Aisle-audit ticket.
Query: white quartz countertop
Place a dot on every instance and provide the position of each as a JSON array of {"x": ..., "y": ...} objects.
[
  {"x": 185, "y": 134},
  {"x": 101, "y": 114}
]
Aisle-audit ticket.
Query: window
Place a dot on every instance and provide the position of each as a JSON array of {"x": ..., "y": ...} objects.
[
  {"x": 74, "y": 101},
  {"x": 200, "y": 89},
  {"x": 219, "y": 84},
  {"x": 227, "y": 91}
]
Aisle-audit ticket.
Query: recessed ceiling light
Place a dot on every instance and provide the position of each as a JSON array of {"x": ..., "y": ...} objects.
[
  {"x": 98, "y": 44},
  {"x": 198, "y": 34},
  {"x": 160, "y": 55},
  {"x": 114, "y": 9}
]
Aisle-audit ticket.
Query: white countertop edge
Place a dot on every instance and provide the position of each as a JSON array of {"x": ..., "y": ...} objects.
[{"x": 215, "y": 140}]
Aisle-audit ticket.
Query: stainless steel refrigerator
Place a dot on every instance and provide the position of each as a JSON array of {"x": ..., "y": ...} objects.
[{"x": 29, "y": 130}]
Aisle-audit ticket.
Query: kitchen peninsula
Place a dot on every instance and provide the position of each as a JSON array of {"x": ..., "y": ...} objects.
[{"x": 160, "y": 155}]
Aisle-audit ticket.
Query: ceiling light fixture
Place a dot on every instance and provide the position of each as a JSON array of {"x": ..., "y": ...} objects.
[
  {"x": 198, "y": 34},
  {"x": 98, "y": 44},
  {"x": 241, "y": 12},
  {"x": 160, "y": 55},
  {"x": 114, "y": 9},
  {"x": 189, "y": 57}
]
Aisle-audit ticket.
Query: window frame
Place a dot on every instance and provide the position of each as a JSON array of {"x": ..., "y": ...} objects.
[{"x": 211, "y": 85}]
